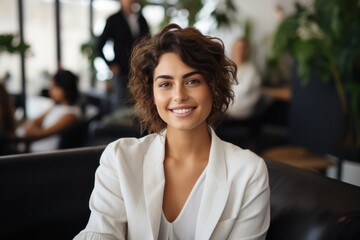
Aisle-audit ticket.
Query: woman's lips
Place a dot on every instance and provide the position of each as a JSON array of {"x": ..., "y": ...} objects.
[{"x": 182, "y": 110}]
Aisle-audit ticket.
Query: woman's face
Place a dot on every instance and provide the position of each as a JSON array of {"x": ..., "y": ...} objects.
[
  {"x": 181, "y": 94},
  {"x": 56, "y": 93},
  {"x": 239, "y": 53}
]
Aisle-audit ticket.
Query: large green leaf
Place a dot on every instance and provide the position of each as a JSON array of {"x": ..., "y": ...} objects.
[{"x": 284, "y": 35}]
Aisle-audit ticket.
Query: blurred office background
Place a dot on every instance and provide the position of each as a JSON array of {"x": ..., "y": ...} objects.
[{"x": 39, "y": 32}]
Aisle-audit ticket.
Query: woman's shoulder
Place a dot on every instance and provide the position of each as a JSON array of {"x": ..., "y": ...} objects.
[
  {"x": 128, "y": 153},
  {"x": 239, "y": 159},
  {"x": 132, "y": 145},
  {"x": 245, "y": 167},
  {"x": 232, "y": 150}
]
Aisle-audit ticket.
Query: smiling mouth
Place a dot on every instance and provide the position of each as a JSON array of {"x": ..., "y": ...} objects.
[{"x": 182, "y": 110}]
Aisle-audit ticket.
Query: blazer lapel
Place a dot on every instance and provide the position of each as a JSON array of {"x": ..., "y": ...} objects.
[
  {"x": 216, "y": 191},
  {"x": 154, "y": 182}
]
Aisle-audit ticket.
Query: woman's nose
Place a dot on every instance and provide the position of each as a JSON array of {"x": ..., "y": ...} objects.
[{"x": 180, "y": 94}]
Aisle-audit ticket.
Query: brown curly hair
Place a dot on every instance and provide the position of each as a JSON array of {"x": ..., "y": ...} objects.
[{"x": 203, "y": 53}]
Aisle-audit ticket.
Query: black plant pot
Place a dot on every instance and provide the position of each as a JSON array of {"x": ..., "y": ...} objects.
[{"x": 316, "y": 119}]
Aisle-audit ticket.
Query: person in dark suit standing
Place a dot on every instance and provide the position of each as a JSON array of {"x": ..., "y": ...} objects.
[{"x": 123, "y": 28}]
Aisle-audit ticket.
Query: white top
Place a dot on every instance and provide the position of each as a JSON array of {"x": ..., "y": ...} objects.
[
  {"x": 247, "y": 92},
  {"x": 184, "y": 226},
  {"x": 127, "y": 199},
  {"x": 52, "y": 142}
]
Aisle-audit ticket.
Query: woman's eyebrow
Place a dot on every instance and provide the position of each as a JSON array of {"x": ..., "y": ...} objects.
[
  {"x": 163, "y": 76},
  {"x": 184, "y": 76},
  {"x": 191, "y": 73}
]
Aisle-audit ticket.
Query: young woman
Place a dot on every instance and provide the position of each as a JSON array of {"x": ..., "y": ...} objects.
[
  {"x": 44, "y": 129},
  {"x": 181, "y": 181}
]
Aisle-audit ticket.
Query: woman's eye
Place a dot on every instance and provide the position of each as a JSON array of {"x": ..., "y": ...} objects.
[
  {"x": 164, "y": 84},
  {"x": 193, "y": 82}
]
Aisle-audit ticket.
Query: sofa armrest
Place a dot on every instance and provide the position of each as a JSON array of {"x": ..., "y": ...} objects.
[{"x": 306, "y": 205}]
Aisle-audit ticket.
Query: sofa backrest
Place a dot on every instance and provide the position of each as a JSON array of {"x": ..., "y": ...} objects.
[{"x": 46, "y": 195}]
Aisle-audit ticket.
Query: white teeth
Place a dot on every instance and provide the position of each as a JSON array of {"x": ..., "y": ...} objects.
[{"x": 185, "y": 110}]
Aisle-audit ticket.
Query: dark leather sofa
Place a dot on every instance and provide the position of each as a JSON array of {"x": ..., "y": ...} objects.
[{"x": 45, "y": 196}]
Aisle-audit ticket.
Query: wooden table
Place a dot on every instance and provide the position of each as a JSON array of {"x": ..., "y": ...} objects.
[{"x": 278, "y": 93}]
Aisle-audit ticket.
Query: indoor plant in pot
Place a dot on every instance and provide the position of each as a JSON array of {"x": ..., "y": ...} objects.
[{"x": 324, "y": 40}]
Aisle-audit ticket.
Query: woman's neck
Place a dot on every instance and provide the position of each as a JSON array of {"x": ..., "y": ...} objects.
[
  {"x": 188, "y": 145},
  {"x": 239, "y": 62}
]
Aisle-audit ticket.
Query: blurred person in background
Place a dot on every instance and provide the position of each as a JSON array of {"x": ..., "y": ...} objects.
[
  {"x": 7, "y": 123},
  {"x": 43, "y": 131},
  {"x": 123, "y": 28},
  {"x": 248, "y": 90}
]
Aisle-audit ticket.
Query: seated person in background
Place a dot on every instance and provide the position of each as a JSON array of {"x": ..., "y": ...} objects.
[
  {"x": 43, "y": 129},
  {"x": 247, "y": 91},
  {"x": 7, "y": 123}
]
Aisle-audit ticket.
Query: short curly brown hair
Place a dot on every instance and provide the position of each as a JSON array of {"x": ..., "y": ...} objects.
[{"x": 203, "y": 53}]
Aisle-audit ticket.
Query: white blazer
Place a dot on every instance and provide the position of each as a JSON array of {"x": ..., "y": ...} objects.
[{"x": 126, "y": 202}]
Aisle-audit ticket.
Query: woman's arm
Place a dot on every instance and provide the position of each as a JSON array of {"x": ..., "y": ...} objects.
[
  {"x": 35, "y": 129},
  {"x": 36, "y": 122},
  {"x": 254, "y": 217},
  {"x": 108, "y": 218}
]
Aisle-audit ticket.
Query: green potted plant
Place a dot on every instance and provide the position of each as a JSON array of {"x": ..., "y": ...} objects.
[
  {"x": 324, "y": 39},
  {"x": 88, "y": 49},
  {"x": 9, "y": 43}
]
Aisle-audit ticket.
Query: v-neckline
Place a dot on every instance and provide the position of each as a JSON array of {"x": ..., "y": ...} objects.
[{"x": 188, "y": 199}]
